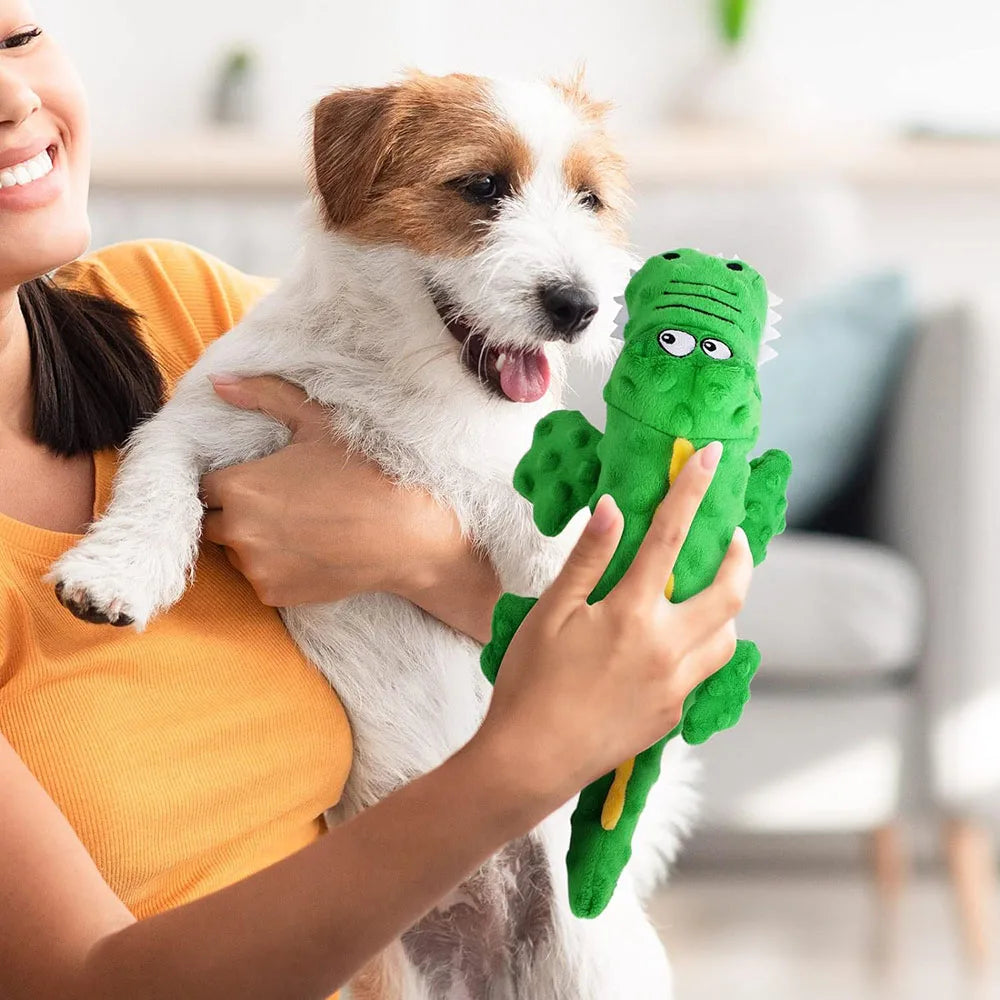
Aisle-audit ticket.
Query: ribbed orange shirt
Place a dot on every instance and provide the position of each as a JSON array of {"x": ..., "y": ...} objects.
[{"x": 205, "y": 748}]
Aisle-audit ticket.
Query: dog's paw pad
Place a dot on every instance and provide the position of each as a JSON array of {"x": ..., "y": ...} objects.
[{"x": 86, "y": 608}]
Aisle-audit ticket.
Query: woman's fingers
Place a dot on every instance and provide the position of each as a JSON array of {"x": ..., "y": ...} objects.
[
  {"x": 213, "y": 527},
  {"x": 586, "y": 564},
  {"x": 647, "y": 577},
  {"x": 722, "y": 600},
  {"x": 710, "y": 656},
  {"x": 266, "y": 393}
]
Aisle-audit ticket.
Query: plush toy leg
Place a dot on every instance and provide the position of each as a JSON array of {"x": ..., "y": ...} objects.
[
  {"x": 765, "y": 500},
  {"x": 718, "y": 701},
  {"x": 600, "y": 843},
  {"x": 508, "y": 613}
]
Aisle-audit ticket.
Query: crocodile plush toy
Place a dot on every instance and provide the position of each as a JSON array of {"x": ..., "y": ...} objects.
[{"x": 697, "y": 328}]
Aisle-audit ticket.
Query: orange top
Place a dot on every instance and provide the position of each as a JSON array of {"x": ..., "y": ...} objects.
[{"x": 205, "y": 748}]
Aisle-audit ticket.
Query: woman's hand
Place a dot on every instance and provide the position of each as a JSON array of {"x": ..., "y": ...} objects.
[
  {"x": 582, "y": 686},
  {"x": 315, "y": 522}
]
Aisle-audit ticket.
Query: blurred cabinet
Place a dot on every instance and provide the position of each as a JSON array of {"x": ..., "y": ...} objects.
[{"x": 254, "y": 230}]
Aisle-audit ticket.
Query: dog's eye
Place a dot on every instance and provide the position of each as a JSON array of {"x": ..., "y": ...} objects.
[
  {"x": 715, "y": 348},
  {"x": 485, "y": 189},
  {"x": 590, "y": 201}
]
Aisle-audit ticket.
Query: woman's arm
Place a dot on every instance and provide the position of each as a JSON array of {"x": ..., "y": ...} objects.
[
  {"x": 299, "y": 928},
  {"x": 582, "y": 687},
  {"x": 313, "y": 522}
]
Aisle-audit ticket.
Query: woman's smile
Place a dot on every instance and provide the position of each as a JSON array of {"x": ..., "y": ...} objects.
[{"x": 30, "y": 176}]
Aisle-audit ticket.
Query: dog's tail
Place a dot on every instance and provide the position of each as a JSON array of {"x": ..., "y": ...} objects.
[{"x": 670, "y": 813}]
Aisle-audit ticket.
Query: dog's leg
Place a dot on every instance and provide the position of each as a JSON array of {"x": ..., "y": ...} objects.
[{"x": 137, "y": 559}]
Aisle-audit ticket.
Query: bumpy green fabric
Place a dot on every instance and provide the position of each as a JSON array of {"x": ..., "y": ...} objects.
[{"x": 686, "y": 376}]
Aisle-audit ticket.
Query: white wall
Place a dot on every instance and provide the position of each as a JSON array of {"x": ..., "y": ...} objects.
[{"x": 149, "y": 65}]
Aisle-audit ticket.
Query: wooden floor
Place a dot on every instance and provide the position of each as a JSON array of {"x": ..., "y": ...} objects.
[{"x": 814, "y": 938}]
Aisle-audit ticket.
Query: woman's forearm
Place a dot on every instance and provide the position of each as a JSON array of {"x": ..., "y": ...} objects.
[
  {"x": 461, "y": 594},
  {"x": 305, "y": 925}
]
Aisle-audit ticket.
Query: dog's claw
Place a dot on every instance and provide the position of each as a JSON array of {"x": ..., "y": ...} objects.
[{"x": 79, "y": 603}]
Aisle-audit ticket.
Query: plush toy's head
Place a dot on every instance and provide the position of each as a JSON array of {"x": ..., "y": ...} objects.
[{"x": 697, "y": 329}]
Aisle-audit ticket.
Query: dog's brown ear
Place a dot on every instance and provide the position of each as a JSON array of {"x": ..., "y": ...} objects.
[{"x": 352, "y": 139}]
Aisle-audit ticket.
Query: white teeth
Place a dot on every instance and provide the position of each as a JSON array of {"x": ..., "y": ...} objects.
[
  {"x": 773, "y": 300},
  {"x": 501, "y": 361},
  {"x": 772, "y": 317},
  {"x": 26, "y": 172}
]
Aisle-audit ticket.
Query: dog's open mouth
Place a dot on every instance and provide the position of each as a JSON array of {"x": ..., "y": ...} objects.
[{"x": 518, "y": 373}]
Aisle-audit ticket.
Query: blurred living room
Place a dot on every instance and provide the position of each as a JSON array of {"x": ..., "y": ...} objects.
[{"x": 847, "y": 840}]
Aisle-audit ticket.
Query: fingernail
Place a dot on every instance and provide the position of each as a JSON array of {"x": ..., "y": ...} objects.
[
  {"x": 603, "y": 516},
  {"x": 223, "y": 378},
  {"x": 710, "y": 455},
  {"x": 740, "y": 536}
]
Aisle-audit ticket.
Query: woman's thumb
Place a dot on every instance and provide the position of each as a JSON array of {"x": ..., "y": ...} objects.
[
  {"x": 266, "y": 393},
  {"x": 586, "y": 564}
]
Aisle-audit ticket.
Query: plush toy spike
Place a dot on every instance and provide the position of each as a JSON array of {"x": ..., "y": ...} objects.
[{"x": 686, "y": 376}]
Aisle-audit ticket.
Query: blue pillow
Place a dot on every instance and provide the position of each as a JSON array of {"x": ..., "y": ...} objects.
[{"x": 824, "y": 393}]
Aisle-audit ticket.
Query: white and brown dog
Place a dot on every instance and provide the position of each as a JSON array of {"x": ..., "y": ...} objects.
[{"x": 466, "y": 234}]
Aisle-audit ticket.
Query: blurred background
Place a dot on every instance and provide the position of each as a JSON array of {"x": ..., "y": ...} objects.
[{"x": 850, "y": 151}]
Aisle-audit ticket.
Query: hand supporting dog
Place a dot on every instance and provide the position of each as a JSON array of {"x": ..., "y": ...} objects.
[{"x": 316, "y": 521}]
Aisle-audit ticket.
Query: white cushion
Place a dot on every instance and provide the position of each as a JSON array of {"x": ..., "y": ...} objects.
[
  {"x": 805, "y": 764},
  {"x": 821, "y": 606}
]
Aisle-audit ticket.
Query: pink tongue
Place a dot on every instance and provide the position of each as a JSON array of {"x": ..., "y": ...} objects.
[{"x": 525, "y": 377}]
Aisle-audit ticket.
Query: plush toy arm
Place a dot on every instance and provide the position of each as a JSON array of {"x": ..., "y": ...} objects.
[
  {"x": 765, "y": 500},
  {"x": 508, "y": 613},
  {"x": 559, "y": 473}
]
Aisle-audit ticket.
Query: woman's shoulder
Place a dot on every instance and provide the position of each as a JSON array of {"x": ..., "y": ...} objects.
[{"x": 186, "y": 297}]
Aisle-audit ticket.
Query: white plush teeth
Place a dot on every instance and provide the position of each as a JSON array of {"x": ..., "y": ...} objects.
[
  {"x": 501, "y": 361},
  {"x": 620, "y": 321},
  {"x": 770, "y": 334},
  {"x": 24, "y": 173}
]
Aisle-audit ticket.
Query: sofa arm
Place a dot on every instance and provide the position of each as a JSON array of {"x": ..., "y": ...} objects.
[{"x": 937, "y": 502}]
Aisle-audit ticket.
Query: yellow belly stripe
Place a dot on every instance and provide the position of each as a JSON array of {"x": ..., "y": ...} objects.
[
  {"x": 683, "y": 450},
  {"x": 614, "y": 801}
]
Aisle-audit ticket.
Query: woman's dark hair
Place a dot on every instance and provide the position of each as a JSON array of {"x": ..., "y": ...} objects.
[{"x": 92, "y": 376}]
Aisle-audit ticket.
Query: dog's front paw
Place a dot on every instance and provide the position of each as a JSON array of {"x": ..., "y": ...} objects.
[
  {"x": 116, "y": 584},
  {"x": 90, "y": 608}
]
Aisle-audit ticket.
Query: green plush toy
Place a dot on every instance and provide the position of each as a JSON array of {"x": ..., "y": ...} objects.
[{"x": 697, "y": 328}]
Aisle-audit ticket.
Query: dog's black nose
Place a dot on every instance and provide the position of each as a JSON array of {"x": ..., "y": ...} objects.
[{"x": 569, "y": 308}]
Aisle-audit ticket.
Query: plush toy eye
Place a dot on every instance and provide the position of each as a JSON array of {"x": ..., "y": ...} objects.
[
  {"x": 715, "y": 348},
  {"x": 677, "y": 342}
]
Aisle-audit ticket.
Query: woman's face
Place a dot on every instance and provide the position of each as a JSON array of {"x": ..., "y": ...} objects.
[{"x": 44, "y": 151}]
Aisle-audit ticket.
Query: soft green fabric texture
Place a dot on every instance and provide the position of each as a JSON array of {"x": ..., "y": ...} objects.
[
  {"x": 857, "y": 335},
  {"x": 688, "y": 369}
]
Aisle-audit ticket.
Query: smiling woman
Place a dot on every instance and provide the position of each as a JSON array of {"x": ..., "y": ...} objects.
[{"x": 161, "y": 827}]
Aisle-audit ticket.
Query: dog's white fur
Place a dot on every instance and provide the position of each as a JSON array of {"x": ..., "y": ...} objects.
[{"x": 352, "y": 323}]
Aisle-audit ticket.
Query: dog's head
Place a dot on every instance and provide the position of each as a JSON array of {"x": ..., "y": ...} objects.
[{"x": 509, "y": 201}]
